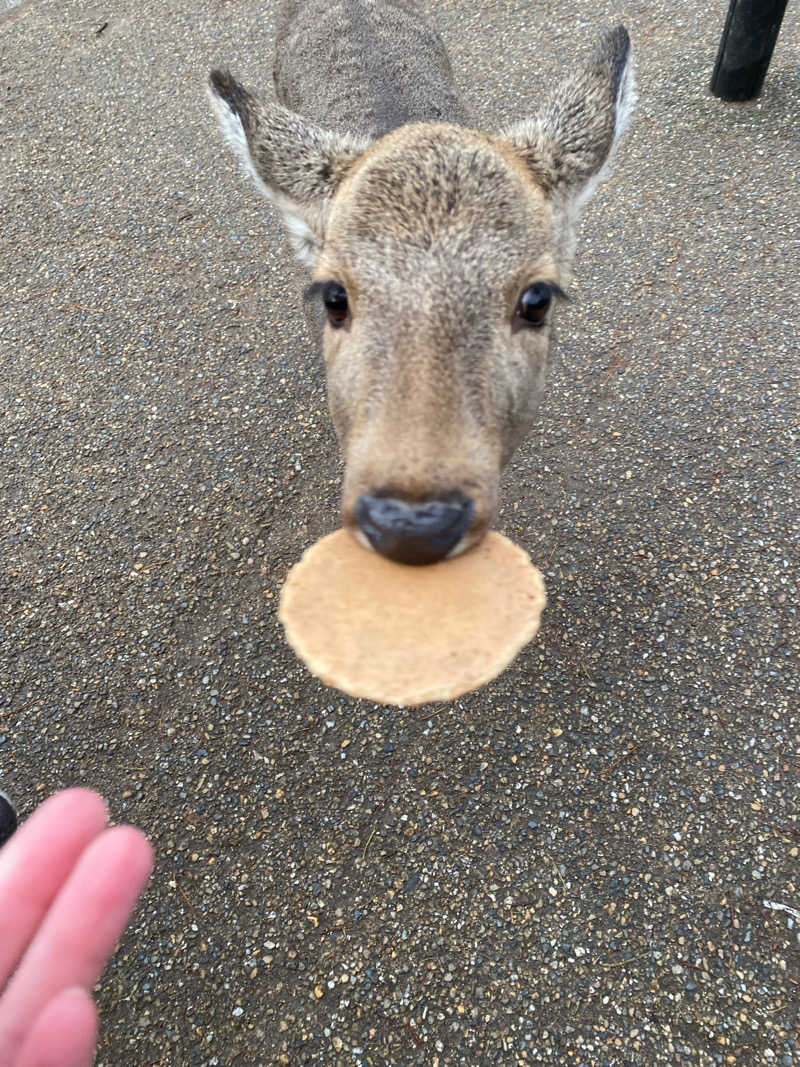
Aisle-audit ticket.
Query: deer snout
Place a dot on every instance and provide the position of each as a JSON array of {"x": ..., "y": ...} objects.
[{"x": 416, "y": 532}]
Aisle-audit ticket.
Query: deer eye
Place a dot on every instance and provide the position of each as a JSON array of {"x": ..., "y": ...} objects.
[
  {"x": 334, "y": 298},
  {"x": 533, "y": 304}
]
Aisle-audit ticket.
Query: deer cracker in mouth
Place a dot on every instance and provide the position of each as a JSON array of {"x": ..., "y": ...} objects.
[
  {"x": 410, "y": 635},
  {"x": 437, "y": 253}
]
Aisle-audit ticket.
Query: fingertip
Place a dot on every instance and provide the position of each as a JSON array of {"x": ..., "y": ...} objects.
[
  {"x": 47, "y": 844},
  {"x": 77, "y": 803},
  {"x": 116, "y": 868},
  {"x": 136, "y": 848}
]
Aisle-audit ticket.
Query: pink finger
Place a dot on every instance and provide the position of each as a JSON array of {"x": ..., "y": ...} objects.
[
  {"x": 37, "y": 861},
  {"x": 63, "y": 1035},
  {"x": 75, "y": 941}
]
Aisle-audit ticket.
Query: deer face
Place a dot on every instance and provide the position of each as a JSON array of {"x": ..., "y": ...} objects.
[
  {"x": 438, "y": 274},
  {"x": 438, "y": 255}
]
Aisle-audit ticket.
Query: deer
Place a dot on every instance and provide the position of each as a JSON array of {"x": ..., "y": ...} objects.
[{"x": 435, "y": 254}]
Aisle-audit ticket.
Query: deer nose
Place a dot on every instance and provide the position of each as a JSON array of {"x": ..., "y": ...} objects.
[{"x": 421, "y": 532}]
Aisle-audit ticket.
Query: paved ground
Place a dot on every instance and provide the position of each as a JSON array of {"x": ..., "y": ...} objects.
[{"x": 568, "y": 867}]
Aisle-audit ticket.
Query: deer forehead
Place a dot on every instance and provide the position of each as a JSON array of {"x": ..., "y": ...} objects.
[{"x": 438, "y": 189}]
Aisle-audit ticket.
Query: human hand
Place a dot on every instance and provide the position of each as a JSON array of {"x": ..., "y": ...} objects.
[{"x": 68, "y": 885}]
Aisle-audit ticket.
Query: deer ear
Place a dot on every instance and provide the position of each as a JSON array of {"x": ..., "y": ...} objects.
[
  {"x": 573, "y": 136},
  {"x": 296, "y": 165}
]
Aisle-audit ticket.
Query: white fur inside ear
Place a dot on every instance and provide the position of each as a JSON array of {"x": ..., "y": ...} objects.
[
  {"x": 232, "y": 128},
  {"x": 626, "y": 101},
  {"x": 303, "y": 239}
]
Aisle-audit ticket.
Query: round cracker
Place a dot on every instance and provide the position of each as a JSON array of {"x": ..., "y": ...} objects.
[{"x": 397, "y": 634}]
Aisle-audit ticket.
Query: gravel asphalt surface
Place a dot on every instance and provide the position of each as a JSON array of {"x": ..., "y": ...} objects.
[{"x": 568, "y": 867}]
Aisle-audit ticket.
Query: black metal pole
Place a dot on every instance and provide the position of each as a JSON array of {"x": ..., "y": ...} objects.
[{"x": 751, "y": 30}]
